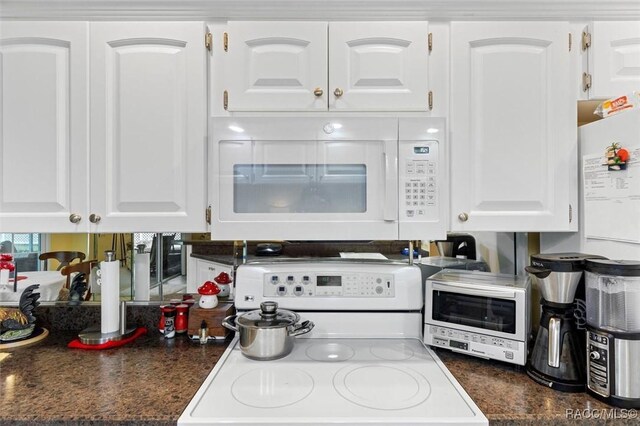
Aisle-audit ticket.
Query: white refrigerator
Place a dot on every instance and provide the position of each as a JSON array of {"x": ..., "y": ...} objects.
[{"x": 609, "y": 210}]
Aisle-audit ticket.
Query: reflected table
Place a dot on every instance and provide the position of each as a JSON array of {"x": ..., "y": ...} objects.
[{"x": 50, "y": 284}]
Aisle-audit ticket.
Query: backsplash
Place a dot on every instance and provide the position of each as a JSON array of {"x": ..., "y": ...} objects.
[{"x": 77, "y": 318}]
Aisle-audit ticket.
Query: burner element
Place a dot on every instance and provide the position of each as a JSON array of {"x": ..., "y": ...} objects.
[
  {"x": 272, "y": 387},
  {"x": 330, "y": 352},
  {"x": 382, "y": 387},
  {"x": 393, "y": 353}
]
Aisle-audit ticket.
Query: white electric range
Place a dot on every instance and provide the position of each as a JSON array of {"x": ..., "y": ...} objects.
[{"x": 363, "y": 363}]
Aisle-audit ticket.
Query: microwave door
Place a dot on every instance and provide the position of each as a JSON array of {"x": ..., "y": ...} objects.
[{"x": 293, "y": 189}]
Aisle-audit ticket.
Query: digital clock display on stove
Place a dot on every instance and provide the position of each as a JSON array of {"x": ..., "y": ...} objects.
[
  {"x": 329, "y": 281},
  {"x": 420, "y": 149}
]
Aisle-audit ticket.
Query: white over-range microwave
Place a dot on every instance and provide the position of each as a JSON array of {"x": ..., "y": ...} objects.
[{"x": 326, "y": 178}]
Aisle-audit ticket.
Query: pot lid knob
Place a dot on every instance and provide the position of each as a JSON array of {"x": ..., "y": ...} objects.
[{"x": 268, "y": 309}]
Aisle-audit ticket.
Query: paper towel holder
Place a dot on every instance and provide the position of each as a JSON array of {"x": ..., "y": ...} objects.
[{"x": 94, "y": 335}]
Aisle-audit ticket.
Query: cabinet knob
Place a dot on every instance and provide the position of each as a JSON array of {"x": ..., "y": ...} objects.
[
  {"x": 463, "y": 217},
  {"x": 338, "y": 92},
  {"x": 94, "y": 218},
  {"x": 75, "y": 218},
  {"x": 318, "y": 92}
]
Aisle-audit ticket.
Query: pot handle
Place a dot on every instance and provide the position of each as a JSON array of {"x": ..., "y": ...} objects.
[
  {"x": 230, "y": 323},
  {"x": 302, "y": 328},
  {"x": 538, "y": 272}
]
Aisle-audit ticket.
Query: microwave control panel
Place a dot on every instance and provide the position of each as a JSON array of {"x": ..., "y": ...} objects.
[
  {"x": 418, "y": 163},
  {"x": 311, "y": 284}
]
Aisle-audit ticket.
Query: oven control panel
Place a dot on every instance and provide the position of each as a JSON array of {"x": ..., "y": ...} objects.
[
  {"x": 598, "y": 377},
  {"x": 476, "y": 344},
  {"x": 318, "y": 284}
]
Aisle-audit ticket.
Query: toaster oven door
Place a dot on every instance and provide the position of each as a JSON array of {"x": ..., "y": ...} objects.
[{"x": 499, "y": 313}]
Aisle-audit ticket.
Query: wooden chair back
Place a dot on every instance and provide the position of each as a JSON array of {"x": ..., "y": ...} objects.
[
  {"x": 82, "y": 267},
  {"x": 64, "y": 257}
]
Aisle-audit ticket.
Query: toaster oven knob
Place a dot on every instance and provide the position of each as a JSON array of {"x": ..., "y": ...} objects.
[
  {"x": 463, "y": 217},
  {"x": 594, "y": 355}
]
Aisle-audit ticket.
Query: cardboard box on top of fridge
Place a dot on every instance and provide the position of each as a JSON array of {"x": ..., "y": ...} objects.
[{"x": 619, "y": 104}]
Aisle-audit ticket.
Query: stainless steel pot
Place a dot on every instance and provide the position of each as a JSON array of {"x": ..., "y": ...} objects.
[{"x": 267, "y": 333}]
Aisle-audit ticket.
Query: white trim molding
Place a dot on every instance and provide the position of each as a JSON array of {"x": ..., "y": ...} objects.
[{"x": 320, "y": 9}]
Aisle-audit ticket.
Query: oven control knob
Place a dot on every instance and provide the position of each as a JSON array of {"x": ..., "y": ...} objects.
[
  {"x": 305, "y": 279},
  {"x": 274, "y": 279},
  {"x": 281, "y": 291},
  {"x": 298, "y": 291},
  {"x": 594, "y": 355}
]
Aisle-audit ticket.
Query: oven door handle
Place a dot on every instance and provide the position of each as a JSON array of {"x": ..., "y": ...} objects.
[
  {"x": 475, "y": 291},
  {"x": 390, "y": 209}
]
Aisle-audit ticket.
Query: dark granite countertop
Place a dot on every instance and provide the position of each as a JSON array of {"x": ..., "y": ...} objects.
[
  {"x": 148, "y": 381},
  {"x": 151, "y": 380}
]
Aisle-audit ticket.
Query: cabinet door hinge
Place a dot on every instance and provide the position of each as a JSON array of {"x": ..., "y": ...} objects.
[
  {"x": 586, "y": 40},
  {"x": 208, "y": 41},
  {"x": 430, "y": 42},
  {"x": 225, "y": 100},
  {"x": 225, "y": 42},
  {"x": 570, "y": 41},
  {"x": 207, "y": 215},
  {"x": 586, "y": 81},
  {"x": 570, "y": 213},
  {"x": 430, "y": 100}
]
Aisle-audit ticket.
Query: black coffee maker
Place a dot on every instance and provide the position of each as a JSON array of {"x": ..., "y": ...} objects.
[{"x": 558, "y": 357}]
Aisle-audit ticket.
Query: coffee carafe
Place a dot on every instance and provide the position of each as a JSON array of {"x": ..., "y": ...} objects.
[{"x": 558, "y": 357}]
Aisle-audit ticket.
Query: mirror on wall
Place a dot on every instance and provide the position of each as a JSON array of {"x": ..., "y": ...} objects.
[{"x": 164, "y": 253}]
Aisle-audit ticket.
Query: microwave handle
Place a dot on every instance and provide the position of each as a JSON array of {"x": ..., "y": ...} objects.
[
  {"x": 390, "y": 209},
  {"x": 475, "y": 291}
]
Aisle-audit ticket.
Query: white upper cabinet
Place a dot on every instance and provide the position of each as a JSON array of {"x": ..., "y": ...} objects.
[
  {"x": 276, "y": 66},
  {"x": 378, "y": 66},
  {"x": 43, "y": 126},
  {"x": 514, "y": 149},
  {"x": 614, "y": 59},
  {"x": 320, "y": 66},
  {"x": 148, "y": 126}
]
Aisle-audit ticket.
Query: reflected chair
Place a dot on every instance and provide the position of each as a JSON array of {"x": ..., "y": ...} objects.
[
  {"x": 82, "y": 267},
  {"x": 64, "y": 257}
]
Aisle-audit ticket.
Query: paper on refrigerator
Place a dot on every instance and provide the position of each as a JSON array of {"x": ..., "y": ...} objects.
[{"x": 612, "y": 199}]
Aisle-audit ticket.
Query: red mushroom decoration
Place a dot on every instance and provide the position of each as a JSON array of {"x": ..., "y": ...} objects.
[
  {"x": 208, "y": 295},
  {"x": 223, "y": 280}
]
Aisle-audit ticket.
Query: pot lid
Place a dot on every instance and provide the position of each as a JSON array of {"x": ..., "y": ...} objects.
[
  {"x": 562, "y": 262},
  {"x": 624, "y": 268},
  {"x": 268, "y": 316}
]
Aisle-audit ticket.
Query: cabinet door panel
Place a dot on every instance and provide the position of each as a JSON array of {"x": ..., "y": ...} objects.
[
  {"x": 378, "y": 66},
  {"x": 276, "y": 66},
  {"x": 43, "y": 126},
  {"x": 513, "y": 124},
  {"x": 615, "y": 59},
  {"x": 148, "y": 126}
]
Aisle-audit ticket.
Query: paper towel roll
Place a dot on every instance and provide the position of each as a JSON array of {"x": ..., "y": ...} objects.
[
  {"x": 141, "y": 272},
  {"x": 110, "y": 297}
]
